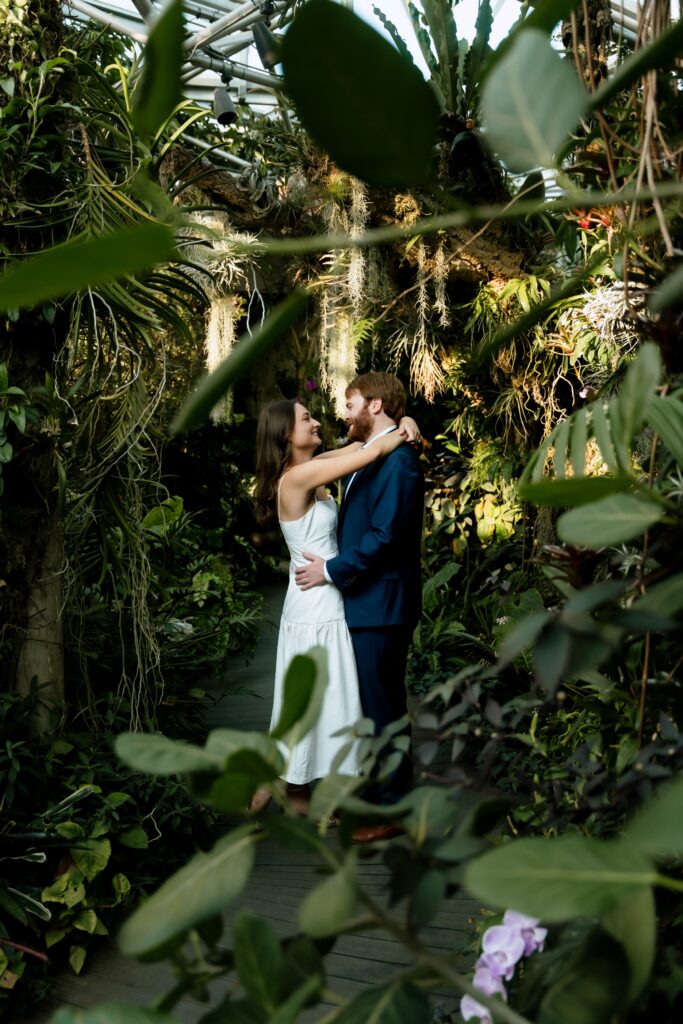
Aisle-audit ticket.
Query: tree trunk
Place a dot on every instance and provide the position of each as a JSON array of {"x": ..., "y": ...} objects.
[
  {"x": 31, "y": 550},
  {"x": 41, "y": 655}
]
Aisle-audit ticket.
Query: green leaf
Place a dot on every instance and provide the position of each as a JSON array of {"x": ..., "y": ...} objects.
[
  {"x": 557, "y": 879},
  {"x": 202, "y": 888},
  {"x": 236, "y": 1011},
  {"x": 577, "y": 443},
  {"x": 637, "y": 391},
  {"x": 590, "y": 987},
  {"x": 657, "y": 829},
  {"x": 665, "y": 598},
  {"x": 551, "y": 656},
  {"x": 292, "y": 833},
  {"x": 86, "y": 921},
  {"x": 247, "y": 351},
  {"x": 332, "y": 904},
  {"x": 359, "y": 98},
  {"x": 666, "y": 416},
  {"x": 288, "y": 1011},
  {"x": 159, "y": 91},
  {"x": 522, "y": 636},
  {"x": 258, "y": 959},
  {"x": 91, "y": 856},
  {"x": 330, "y": 793},
  {"x": 136, "y": 838},
  {"x": 397, "y": 1002},
  {"x": 303, "y": 960},
  {"x": 77, "y": 958},
  {"x": 546, "y": 14},
  {"x": 669, "y": 292},
  {"x": 609, "y": 521},
  {"x": 303, "y": 694},
  {"x": 439, "y": 579},
  {"x": 225, "y": 743},
  {"x": 66, "y": 269},
  {"x": 157, "y": 755},
  {"x": 112, "y": 1013},
  {"x": 531, "y": 101},
  {"x": 633, "y": 923},
  {"x": 427, "y": 897},
  {"x": 574, "y": 491}
]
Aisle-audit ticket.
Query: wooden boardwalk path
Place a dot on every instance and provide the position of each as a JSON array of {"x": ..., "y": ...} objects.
[{"x": 277, "y": 885}]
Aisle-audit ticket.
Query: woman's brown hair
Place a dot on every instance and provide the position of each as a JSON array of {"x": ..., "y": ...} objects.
[{"x": 273, "y": 452}]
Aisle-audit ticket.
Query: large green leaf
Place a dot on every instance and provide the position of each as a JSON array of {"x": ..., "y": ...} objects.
[
  {"x": 358, "y": 97},
  {"x": 224, "y": 743},
  {"x": 637, "y": 391},
  {"x": 157, "y": 755},
  {"x": 633, "y": 923},
  {"x": 522, "y": 636},
  {"x": 664, "y": 598},
  {"x": 669, "y": 292},
  {"x": 332, "y": 904},
  {"x": 91, "y": 856},
  {"x": 303, "y": 695},
  {"x": 247, "y": 351},
  {"x": 330, "y": 793},
  {"x": 66, "y": 269},
  {"x": 202, "y": 888},
  {"x": 397, "y": 1002},
  {"x": 666, "y": 416},
  {"x": 574, "y": 491},
  {"x": 159, "y": 90},
  {"x": 657, "y": 829},
  {"x": 111, "y": 1013},
  {"x": 557, "y": 879},
  {"x": 289, "y": 1010},
  {"x": 531, "y": 102},
  {"x": 612, "y": 520},
  {"x": 258, "y": 959},
  {"x": 590, "y": 988},
  {"x": 546, "y": 14}
]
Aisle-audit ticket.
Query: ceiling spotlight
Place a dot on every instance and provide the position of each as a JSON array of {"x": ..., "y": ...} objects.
[
  {"x": 223, "y": 107},
  {"x": 267, "y": 45}
]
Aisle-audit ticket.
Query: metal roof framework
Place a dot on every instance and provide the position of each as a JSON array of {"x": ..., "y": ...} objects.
[{"x": 219, "y": 41}]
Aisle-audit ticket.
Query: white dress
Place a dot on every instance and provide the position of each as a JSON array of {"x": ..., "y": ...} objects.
[{"x": 312, "y": 618}]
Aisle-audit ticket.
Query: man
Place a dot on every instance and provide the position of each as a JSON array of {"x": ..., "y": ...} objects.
[{"x": 378, "y": 566}]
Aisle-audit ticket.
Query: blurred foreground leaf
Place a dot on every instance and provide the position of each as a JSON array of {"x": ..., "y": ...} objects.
[
  {"x": 70, "y": 268},
  {"x": 368, "y": 106}
]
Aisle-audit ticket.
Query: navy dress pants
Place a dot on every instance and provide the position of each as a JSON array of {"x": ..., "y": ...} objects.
[{"x": 381, "y": 658}]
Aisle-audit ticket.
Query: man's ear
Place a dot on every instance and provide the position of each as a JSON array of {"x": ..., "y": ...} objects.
[{"x": 375, "y": 406}]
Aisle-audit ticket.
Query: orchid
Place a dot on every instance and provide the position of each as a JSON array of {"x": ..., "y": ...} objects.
[
  {"x": 486, "y": 981},
  {"x": 470, "y": 1008},
  {"x": 503, "y": 946},
  {"x": 527, "y": 927}
]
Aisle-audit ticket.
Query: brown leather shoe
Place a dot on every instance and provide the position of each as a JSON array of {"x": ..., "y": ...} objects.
[{"x": 375, "y": 833}]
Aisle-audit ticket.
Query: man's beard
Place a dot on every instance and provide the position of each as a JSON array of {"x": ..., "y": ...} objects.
[{"x": 361, "y": 426}]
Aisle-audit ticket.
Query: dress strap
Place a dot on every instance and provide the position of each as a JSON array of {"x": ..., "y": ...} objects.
[{"x": 277, "y": 496}]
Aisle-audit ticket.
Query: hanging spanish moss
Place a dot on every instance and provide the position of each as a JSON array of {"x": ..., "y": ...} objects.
[
  {"x": 228, "y": 272},
  {"x": 440, "y": 279},
  {"x": 343, "y": 293},
  {"x": 358, "y": 218},
  {"x": 221, "y": 332}
]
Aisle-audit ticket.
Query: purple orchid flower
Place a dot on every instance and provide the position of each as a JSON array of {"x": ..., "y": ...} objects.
[
  {"x": 527, "y": 927},
  {"x": 503, "y": 946}
]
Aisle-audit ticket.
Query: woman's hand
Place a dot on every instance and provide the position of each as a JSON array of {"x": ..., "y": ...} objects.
[{"x": 409, "y": 430}]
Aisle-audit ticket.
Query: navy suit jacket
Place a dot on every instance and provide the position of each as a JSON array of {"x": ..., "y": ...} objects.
[{"x": 379, "y": 532}]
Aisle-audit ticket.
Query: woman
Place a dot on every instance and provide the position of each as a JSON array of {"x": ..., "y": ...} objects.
[{"x": 290, "y": 485}]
